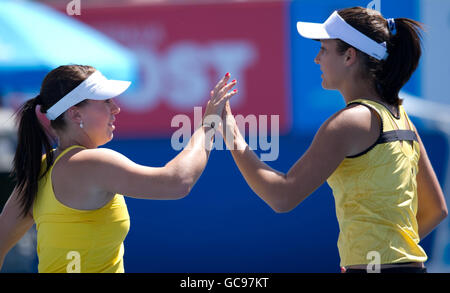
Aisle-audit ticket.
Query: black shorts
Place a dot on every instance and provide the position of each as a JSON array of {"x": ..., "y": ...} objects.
[{"x": 400, "y": 270}]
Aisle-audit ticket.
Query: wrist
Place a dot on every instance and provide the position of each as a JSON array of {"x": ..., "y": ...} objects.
[
  {"x": 209, "y": 130},
  {"x": 209, "y": 126},
  {"x": 229, "y": 126},
  {"x": 232, "y": 136}
]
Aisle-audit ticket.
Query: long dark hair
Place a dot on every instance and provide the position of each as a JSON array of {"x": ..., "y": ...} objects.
[
  {"x": 404, "y": 48},
  {"x": 32, "y": 138}
]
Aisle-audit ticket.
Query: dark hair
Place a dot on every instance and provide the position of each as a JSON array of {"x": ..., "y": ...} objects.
[
  {"x": 404, "y": 48},
  {"x": 32, "y": 138}
]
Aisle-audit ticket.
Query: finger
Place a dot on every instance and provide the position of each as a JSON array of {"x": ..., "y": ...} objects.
[
  {"x": 226, "y": 110},
  {"x": 227, "y": 97},
  {"x": 228, "y": 106},
  {"x": 221, "y": 83},
  {"x": 227, "y": 88},
  {"x": 223, "y": 92}
]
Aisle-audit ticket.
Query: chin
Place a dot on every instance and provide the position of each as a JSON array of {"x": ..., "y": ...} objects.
[
  {"x": 324, "y": 85},
  {"x": 105, "y": 141},
  {"x": 327, "y": 86},
  {"x": 111, "y": 136}
]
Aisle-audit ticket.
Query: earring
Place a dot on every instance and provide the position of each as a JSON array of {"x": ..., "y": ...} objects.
[{"x": 81, "y": 124}]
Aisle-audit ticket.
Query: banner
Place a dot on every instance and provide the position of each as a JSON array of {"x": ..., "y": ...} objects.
[{"x": 183, "y": 50}]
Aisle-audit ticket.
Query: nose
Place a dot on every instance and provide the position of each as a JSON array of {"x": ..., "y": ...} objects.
[
  {"x": 317, "y": 59},
  {"x": 115, "y": 109}
]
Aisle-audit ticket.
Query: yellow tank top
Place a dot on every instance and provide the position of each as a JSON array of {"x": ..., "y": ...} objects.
[
  {"x": 71, "y": 240},
  {"x": 376, "y": 196}
]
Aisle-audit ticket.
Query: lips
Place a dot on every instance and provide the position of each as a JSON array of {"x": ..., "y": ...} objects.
[{"x": 111, "y": 124}]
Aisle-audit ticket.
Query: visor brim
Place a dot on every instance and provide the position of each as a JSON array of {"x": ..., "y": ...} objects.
[
  {"x": 315, "y": 31},
  {"x": 95, "y": 87},
  {"x": 110, "y": 89}
]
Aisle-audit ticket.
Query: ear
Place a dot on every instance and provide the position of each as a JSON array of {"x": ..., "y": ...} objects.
[
  {"x": 350, "y": 57},
  {"x": 73, "y": 114}
]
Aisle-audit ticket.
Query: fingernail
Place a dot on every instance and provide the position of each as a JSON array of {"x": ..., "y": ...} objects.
[
  {"x": 234, "y": 80},
  {"x": 234, "y": 90},
  {"x": 228, "y": 74}
]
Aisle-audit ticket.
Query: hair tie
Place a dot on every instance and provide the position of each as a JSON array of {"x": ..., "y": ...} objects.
[{"x": 392, "y": 27}]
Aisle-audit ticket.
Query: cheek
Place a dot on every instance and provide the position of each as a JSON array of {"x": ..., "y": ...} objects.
[
  {"x": 334, "y": 68},
  {"x": 96, "y": 120},
  {"x": 333, "y": 74},
  {"x": 326, "y": 64}
]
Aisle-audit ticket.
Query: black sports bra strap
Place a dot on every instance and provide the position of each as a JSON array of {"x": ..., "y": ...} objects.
[
  {"x": 372, "y": 109},
  {"x": 388, "y": 136},
  {"x": 396, "y": 135}
]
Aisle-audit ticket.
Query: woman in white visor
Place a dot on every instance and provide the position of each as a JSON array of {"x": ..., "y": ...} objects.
[
  {"x": 386, "y": 192},
  {"x": 74, "y": 192}
]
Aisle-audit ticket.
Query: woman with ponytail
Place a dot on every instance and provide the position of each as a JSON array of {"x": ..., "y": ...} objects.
[
  {"x": 386, "y": 192},
  {"x": 74, "y": 193}
]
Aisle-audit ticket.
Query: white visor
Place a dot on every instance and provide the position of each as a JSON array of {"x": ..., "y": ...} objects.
[
  {"x": 95, "y": 87},
  {"x": 335, "y": 27}
]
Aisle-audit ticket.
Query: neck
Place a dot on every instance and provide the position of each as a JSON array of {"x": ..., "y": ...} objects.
[
  {"x": 359, "y": 89},
  {"x": 65, "y": 142}
]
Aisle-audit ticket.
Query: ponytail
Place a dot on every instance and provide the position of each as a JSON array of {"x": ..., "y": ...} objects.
[
  {"x": 31, "y": 141},
  {"x": 404, "y": 48},
  {"x": 32, "y": 137},
  {"x": 403, "y": 39}
]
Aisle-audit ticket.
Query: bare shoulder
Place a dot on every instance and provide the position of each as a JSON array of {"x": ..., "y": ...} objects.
[
  {"x": 97, "y": 162},
  {"x": 354, "y": 128},
  {"x": 356, "y": 118},
  {"x": 99, "y": 169},
  {"x": 98, "y": 156}
]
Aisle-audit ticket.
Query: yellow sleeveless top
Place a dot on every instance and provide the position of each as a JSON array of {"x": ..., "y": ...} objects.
[
  {"x": 376, "y": 196},
  {"x": 71, "y": 240}
]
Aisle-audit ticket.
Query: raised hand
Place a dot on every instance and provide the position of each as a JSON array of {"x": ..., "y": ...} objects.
[{"x": 219, "y": 96}]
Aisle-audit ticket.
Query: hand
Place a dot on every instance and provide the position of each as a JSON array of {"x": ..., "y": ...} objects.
[
  {"x": 227, "y": 118},
  {"x": 219, "y": 96}
]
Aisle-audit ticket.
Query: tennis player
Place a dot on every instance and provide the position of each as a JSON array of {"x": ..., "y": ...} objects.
[
  {"x": 386, "y": 193},
  {"x": 74, "y": 192}
]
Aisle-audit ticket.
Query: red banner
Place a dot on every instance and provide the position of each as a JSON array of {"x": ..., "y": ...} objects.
[{"x": 183, "y": 50}]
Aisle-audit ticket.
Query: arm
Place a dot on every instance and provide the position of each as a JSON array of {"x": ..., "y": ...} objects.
[
  {"x": 12, "y": 225},
  {"x": 432, "y": 208},
  {"x": 335, "y": 140},
  {"x": 112, "y": 172}
]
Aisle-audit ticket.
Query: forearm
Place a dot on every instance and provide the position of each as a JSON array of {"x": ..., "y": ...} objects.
[
  {"x": 427, "y": 223},
  {"x": 189, "y": 164},
  {"x": 266, "y": 182}
]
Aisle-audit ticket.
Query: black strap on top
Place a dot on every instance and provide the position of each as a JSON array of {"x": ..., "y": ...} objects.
[
  {"x": 388, "y": 136},
  {"x": 396, "y": 135}
]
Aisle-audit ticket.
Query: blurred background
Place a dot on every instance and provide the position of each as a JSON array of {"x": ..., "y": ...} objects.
[{"x": 174, "y": 52}]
